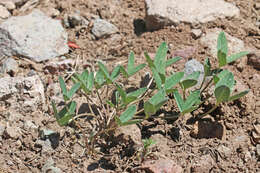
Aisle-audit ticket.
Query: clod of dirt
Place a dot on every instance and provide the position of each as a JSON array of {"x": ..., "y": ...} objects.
[
  {"x": 224, "y": 151},
  {"x": 12, "y": 132},
  {"x": 254, "y": 59},
  {"x": 256, "y": 134},
  {"x": 203, "y": 164},
  {"x": 161, "y": 143},
  {"x": 208, "y": 129},
  {"x": 10, "y": 5},
  {"x": 131, "y": 132},
  {"x": 49, "y": 167},
  {"x": 162, "y": 166},
  {"x": 54, "y": 137}
]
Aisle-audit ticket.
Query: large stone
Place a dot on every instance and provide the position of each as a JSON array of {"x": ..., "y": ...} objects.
[
  {"x": 9, "y": 66},
  {"x": 35, "y": 36},
  {"x": 172, "y": 12}
]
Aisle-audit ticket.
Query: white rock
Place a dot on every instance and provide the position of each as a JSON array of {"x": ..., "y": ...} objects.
[
  {"x": 193, "y": 66},
  {"x": 235, "y": 45},
  {"x": 9, "y": 65},
  {"x": 102, "y": 28},
  {"x": 31, "y": 86},
  {"x": 4, "y": 13},
  {"x": 35, "y": 36},
  {"x": 172, "y": 12}
]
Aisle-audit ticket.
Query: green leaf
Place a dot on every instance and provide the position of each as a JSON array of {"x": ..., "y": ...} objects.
[
  {"x": 237, "y": 96},
  {"x": 54, "y": 109},
  {"x": 128, "y": 114},
  {"x": 136, "y": 69},
  {"x": 234, "y": 57},
  {"x": 222, "y": 93},
  {"x": 122, "y": 93},
  {"x": 222, "y": 49},
  {"x": 73, "y": 90},
  {"x": 63, "y": 89},
  {"x": 132, "y": 96},
  {"x": 105, "y": 72},
  {"x": 99, "y": 79},
  {"x": 115, "y": 73},
  {"x": 172, "y": 61},
  {"x": 149, "y": 60},
  {"x": 110, "y": 103},
  {"x": 131, "y": 62},
  {"x": 173, "y": 80},
  {"x": 157, "y": 78},
  {"x": 84, "y": 75},
  {"x": 124, "y": 72},
  {"x": 66, "y": 114},
  {"x": 226, "y": 78},
  {"x": 207, "y": 67},
  {"x": 160, "y": 58},
  {"x": 90, "y": 82},
  {"x": 179, "y": 100},
  {"x": 154, "y": 104},
  {"x": 193, "y": 98},
  {"x": 190, "y": 80}
]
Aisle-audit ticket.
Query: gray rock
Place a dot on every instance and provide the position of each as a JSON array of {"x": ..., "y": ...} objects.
[
  {"x": 54, "y": 137},
  {"x": 75, "y": 20},
  {"x": 9, "y": 66},
  {"x": 45, "y": 145},
  {"x": 171, "y": 12},
  {"x": 28, "y": 35},
  {"x": 29, "y": 125},
  {"x": 4, "y": 13},
  {"x": 32, "y": 86},
  {"x": 235, "y": 45},
  {"x": 192, "y": 66},
  {"x": 224, "y": 151},
  {"x": 49, "y": 167},
  {"x": 102, "y": 28}
]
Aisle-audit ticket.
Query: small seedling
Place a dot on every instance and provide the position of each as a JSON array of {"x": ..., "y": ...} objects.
[
  {"x": 147, "y": 143},
  {"x": 124, "y": 111}
]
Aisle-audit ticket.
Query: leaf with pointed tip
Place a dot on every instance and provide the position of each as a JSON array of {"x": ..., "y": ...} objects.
[
  {"x": 222, "y": 93},
  {"x": 179, "y": 100},
  {"x": 234, "y": 57},
  {"x": 99, "y": 79},
  {"x": 54, "y": 109},
  {"x": 128, "y": 114},
  {"x": 191, "y": 100},
  {"x": 121, "y": 92},
  {"x": 124, "y": 72},
  {"x": 131, "y": 69},
  {"x": 160, "y": 58},
  {"x": 63, "y": 89},
  {"x": 149, "y": 60},
  {"x": 84, "y": 75},
  {"x": 132, "y": 96},
  {"x": 172, "y": 61},
  {"x": 237, "y": 96},
  {"x": 90, "y": 81},
  {"x": 157, "y": 78},
  {"x": 104, "y": 70},
  {"x": 222, "y": 49},
  {"x": 73, "y": 90},
  {"x": 115, "y": 73},
  {"x": 130, "y": 122},
  {"x": 190, "y": 80},
  {"x": 172, "y": 81},
  {"x": 136, "y": 69}
]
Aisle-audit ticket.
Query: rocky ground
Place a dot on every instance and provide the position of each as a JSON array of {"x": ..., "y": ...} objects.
[{"x": 43, "y": 39}]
